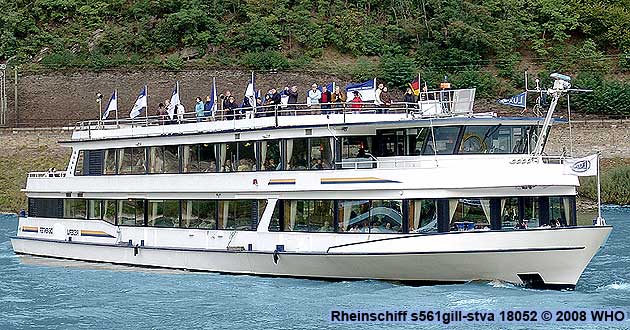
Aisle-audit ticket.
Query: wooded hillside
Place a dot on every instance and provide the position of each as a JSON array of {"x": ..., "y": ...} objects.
[{"x": 485, "y": 44}]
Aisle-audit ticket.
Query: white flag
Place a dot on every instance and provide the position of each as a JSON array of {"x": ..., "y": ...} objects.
[
  {"x": 112, "y": 105},
  {"x": 175, "y": 102},
  {"x": 585, "y": 166},
  {"x": 141, "y": 103}
]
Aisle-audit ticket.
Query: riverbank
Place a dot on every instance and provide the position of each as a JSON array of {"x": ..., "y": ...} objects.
[{"x": 23, "y": 151}]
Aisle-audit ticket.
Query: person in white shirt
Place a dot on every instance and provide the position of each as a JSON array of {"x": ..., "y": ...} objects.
[
  {"x": 378, "y": 101},
  {"x": 314, "y": 95}
]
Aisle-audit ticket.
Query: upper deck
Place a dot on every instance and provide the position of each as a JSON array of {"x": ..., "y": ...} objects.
[{"x": 455, "y": 104}]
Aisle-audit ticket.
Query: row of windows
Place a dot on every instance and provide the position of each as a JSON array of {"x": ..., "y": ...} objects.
[
  {"x": 205, "y": 214},
  {"x": 343, "y": 216},
  {"x": 306, "y": 153}
]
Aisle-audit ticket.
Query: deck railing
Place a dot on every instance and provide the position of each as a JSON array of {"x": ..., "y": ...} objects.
[{"x": 430, "y": 104}]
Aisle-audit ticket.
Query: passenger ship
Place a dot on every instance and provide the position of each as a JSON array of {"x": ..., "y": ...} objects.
[{"x": 422, "y": 193}]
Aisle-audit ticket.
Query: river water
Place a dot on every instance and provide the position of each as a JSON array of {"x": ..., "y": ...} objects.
[{"x": 38, "y": 293}]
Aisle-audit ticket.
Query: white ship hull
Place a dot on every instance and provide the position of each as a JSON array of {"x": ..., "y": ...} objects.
[{"x": 550, "y": 257}]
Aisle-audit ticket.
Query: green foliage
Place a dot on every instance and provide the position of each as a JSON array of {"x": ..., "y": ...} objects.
[
  {"x": 364, "y": 69},
  {"x": 265, "y": 60},
  {"x": 397, "y": 70},
  {"x": 173, "y": 62},
  {"x": 610, "y": 97},
  {"x": 484, "y": 82},
  {"x": 615, "y": 184}
]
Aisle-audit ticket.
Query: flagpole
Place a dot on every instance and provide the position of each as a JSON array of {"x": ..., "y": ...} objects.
[
  {"x": 146, "y": 111},
  {"x": 116, "y": 96},
  {"x": 599, "y": 198},
  {"x": 214, "y": 98},
  {"x": 255, "y": 99}
]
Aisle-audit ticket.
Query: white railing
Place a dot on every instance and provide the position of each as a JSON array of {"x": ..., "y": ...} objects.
[{"x": 431, "y": 104}]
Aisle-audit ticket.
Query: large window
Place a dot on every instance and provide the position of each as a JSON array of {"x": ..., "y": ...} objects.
[
  {"x": 422, "y": 216},
  {"x": 131, "y": 212},
  {"x": 238, "y": 214},
  {"x": 297, "y": 154},
  {"x": 497, "y": 139},
  {"x": 110, "y": 162},
  {"x": 94, "y": 210},
  {"x": 445, "y": 140},
  {"x": 198, "y": 158},
  {"x": 74, "y": 208},
  {"x": 270, "y": 155},
  {"x": 370, "y": 216},
  {"x": 309, "y": 215},
  {"x": 199, "y": 214},
  {"x": 164, "y": 159},
  {"x": 228, "y": 156},
  {"x": 321, "y": 153},
  {"x": 132, "y": 161},
  {"x": 391, "y": 143},
  {"x": 246, "y": 156},
  {"x": 469, "y": 213},
  {"x": 163, "y": 213},
  {"x": 109, "y": 211}
]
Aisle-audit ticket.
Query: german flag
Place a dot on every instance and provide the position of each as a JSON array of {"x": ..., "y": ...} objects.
[{"x": 415, "y": 86}]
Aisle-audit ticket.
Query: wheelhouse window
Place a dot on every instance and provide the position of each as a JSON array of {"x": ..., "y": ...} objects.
[
  {"x": 309, "y": 215},
  {"x": 391, "y": 143},
  {"x": 199, "y": 214},
  {"x": 110, "y": 161},
  {"x": 164, "y": 159},
  {"x": 79, "y": 167},
  {"x": 270, "y": 155},
  {"x": 74, "y": 208},
  {"x": 417, "y": 137},
  {"x": 422, "y": 216},
  {"x": 132, "y": 161},
  {"x": 498, "y": 139},
  {"x": 198, "y": 158},
  {"x": 131, "y": 212},
  {"x": 356, "y": 151},
  {"x": 163, "y": 213},
  {"x": 444, "y": 142}
]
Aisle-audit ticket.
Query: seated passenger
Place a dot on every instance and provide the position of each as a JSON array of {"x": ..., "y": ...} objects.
[{"x": 227, "y": 166}]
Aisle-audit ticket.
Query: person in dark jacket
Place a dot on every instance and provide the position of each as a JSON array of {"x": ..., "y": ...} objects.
[
  {"x": 229, "y": 107},
  {"x": 293, "y": 97},
  {"x": 326, "y": 98}
]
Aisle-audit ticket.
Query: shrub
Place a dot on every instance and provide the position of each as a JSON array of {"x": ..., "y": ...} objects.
[
  {"x": 397, "y": 70},
  {"x": 265, "y": 60},
  {"x": 173, "y": 62},
  {"x": 615, "y": 186}
]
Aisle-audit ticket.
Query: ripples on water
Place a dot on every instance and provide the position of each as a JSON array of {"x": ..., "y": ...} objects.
[{"x": 45, "y": 293}]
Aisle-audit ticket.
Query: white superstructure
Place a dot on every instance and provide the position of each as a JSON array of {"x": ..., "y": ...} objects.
[{"x": 423, "y": 193}]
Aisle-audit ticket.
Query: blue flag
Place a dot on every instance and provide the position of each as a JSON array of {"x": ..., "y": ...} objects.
[
  {"x": 366, "y": 89},
  {"x": 515, "y": 101}
]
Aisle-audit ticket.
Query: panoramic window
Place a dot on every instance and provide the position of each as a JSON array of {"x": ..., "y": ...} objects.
[
  {"x": 532, "y": 211},
  {"x": 110, "y": 161},
  {"x": 198, "y": 158},
  {"x": 229, "y": 157},
  {"x": 297, "y": 154},
  {"x": 422, "y": 216},
  {"x": 236, "y": 214},
  {"x": 354, "y": 216},
  {"x": 469, "y": 213},
  {"x": 109, "y": 211},
  {"x": 74, "y": 208},
  {"x": 163, "y": 213},
  {"x": 309, "y": 215},
  {"x": 94, "y": 209},
  {"x": 199, "y": 214},
  {"x": 132, "y": 160},
  {"x": 560, "y": 211},
  {"x": 164, "y": 159},
  {"x": 246, "y": 156},
  {"x": 270, "y": 155},
  {"x": 131, "y": 212},
  {"x": 445, "y": 140},
  {"x": 386, "y": 216},
  {"x": 321, "y": 154}
]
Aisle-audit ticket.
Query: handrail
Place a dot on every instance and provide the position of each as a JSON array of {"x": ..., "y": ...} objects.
[
  {"x": 47, "y": 174},
  {"x": 430, "y": 104}
]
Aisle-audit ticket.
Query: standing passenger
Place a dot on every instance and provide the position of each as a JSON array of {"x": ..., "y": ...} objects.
[
  {"x": 314, "y": 95},
  {"x": 199, "y": 109},
  {"x": 325, "y": 99}
]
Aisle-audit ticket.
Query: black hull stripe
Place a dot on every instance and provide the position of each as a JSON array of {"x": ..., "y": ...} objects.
[{"x": 562, "y": 248}]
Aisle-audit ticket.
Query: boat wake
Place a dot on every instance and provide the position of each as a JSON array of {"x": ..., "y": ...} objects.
[{"x": 615, "y": 286}]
